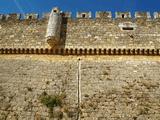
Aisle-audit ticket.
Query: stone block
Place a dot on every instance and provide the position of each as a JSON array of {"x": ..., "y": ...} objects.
[
  {"x": 122, "y": 15},
  {"x": 84, "y": 15},
  {"x": 31, "y": 16},
  {"x": 103, "y": 14},
  {"x": 145, "y": 15},
  {"x": 1, "y": 16},
  {"x": 156, "y": 15},
  {"x": 13, "y": 16}
]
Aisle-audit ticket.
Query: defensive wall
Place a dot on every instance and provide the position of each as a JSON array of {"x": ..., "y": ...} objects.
[{"x": 106, "y": 68}]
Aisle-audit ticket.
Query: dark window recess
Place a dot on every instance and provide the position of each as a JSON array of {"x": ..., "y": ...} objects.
[
  {"x": 122, "y": 15},
  {"x": 55, "y": 11},
  {"x": 30, "y": 17},
  {"x": 128, "y": 28},
  {"x": 83, "y": 15}
]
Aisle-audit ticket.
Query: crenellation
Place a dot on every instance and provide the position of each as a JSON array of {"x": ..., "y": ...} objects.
[
  {"x": 143, "y": 15},
  {"x": 46, "y": 15},
  {"x": 84, "y": 15},
  {"x": 13, "y": 16},
  {"x": 31, "y": 16},
  {"x": 156, "y": 15},
  {"x": 98, "y": 14},
  {"x": 67, "y": 14},
  {"x": 123, "y": 15},
  {"x": 103, "y": 14},
  {"x": 2, "y": 17}
]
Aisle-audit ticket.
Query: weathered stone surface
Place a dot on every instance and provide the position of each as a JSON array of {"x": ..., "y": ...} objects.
[
  {"x": 83, "y": 33},
  {"x": 120, "y": 90},
  {"x": 24, "y": 78},
  {"x": 116, "y": 88},
  {"x": 93, "y": 87},
  {"x": 24, "y": 34}
]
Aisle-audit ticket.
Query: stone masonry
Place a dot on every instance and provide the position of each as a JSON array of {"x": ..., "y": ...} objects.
[{"x": 94, "y": 86}]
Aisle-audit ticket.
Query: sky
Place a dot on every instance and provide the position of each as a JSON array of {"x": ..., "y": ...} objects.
[{"x": 44, "y": 6}]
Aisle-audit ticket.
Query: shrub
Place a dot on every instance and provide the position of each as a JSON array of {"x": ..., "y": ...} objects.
[{"x": 51, "y": 100}]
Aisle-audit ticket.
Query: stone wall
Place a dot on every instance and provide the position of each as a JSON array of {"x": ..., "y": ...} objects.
[
  {"x": 118, "y": 89},
  {"x": 104, "y": 33},
  {"x": 24, "y": 78},
  {"x": 93, "y": 87},
  {"x": 104, "y": 87},
  {"x": 23, "y": 34},
  {"x": 83, "y": 33}
]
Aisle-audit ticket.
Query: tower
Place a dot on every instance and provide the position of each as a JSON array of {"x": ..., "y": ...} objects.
[{"x": 54, "y": 27}]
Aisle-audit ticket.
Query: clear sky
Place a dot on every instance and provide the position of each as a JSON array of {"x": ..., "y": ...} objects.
[{"x": 42, "y": 6}]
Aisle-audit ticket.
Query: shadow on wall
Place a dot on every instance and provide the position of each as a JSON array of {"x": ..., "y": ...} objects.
[{"x": 63, "y": 32}]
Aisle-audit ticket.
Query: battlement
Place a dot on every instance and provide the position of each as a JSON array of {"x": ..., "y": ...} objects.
[
  {"x": 123, "y": 15},
  {"x": 83, "y": 15},
  {"x": 31, "y": 16},
  {"x": 156, "y": 15},
  {"x": 61, "y": 30},
  {"x": 145, "y": 15},
  {"x": 104, "y": 14}
]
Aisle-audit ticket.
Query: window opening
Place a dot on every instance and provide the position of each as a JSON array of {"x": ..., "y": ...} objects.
[
  {"x": 122, "y": 15},
  {"x": 83, "y": 15},
  {"x": 128, "y": 28}
]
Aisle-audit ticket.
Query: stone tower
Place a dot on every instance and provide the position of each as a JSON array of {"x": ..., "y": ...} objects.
[{"x": 54, "y": 27}]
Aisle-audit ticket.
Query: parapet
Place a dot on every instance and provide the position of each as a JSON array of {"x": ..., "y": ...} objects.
[
  {"x": 99, "y": 14},
  {"x": 31, "y": 16},
  {"x": 122, "y": 15},
  {"x": 156, "y": 15},
  {"x": 13, "y": 16},
  {"x": 46, "y": 15},
  {"x": 66, "y": 14},
  {"x": 145, "y": 15},
  {"x": 84, "y": 15},
  {"x": 103, "y": 14},
  {"x": 1, "y": 16}
]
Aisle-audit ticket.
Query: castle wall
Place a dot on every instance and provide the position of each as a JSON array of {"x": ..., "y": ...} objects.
[
  {"x": 96, "y": 87},
  {"x": 120, "y": 89},
  {"x": 23, "y": 79},
  {"x": 107, "y": 87},
  {"x": 23, "y": 34},
  {"x": 105, "y": 33},
  {"x": 126, "y": 33}
]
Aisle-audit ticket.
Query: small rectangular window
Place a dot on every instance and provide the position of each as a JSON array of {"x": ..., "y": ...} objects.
[{"x": 128, "y": 28}]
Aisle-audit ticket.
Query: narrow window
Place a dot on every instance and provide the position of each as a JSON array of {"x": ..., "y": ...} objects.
[
  {"x": 122, "y": 15},
  {"x": 128, "y": 28},
  {"x": 83, "y": 15},
  {"x": 30, "y": 17}
]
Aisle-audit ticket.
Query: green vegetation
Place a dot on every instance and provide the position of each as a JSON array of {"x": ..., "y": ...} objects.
[{"x": 51, "y": 100}]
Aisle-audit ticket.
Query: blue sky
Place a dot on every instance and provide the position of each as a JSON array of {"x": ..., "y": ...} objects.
[{"x": 42, "y": 6}]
